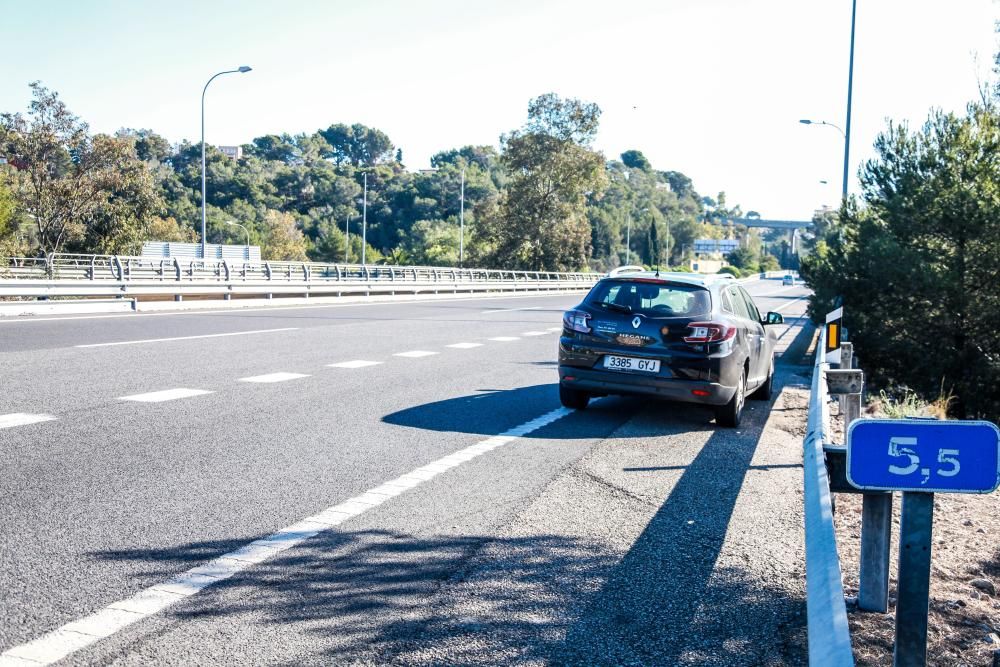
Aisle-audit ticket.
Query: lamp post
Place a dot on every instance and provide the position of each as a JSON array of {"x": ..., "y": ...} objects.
[
  {"x": 240, "y": 70},
  {"x": 850, "y": 93},
  {"x": 461, "y": 224},
  {"x": 364, "y": 222},
  {"x": 236, "y": 224},
  {"x": 347, "y": 237}
]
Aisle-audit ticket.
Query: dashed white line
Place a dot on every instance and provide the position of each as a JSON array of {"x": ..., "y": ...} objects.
[
  {"x": 105, "y": 622},
  {"x": 786, "y": 305},
  {"x": 357, "y": 363},
  {"x": 535, "y": 333},
  {"x": 165, "y": 395},
  {"x": 504, "y": 339},
  {"x": 23, "y": 419},
  {"x": 414, "y": 354},
  {"x": 274, "y": 377},
  {"x": 509, "y": 310},
  {"x": 163, "y": 340},
  {"x": 555, "y": 329},
  {"x": 464, "y": 346}
]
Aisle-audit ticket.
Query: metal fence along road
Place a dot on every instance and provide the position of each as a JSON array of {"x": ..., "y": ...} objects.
[{"x": 65, "y": 275}]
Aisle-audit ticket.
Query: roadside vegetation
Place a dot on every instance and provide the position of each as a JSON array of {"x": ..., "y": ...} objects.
[
  {"x": 915, "y": 261},
  {"x": 545, "y": 200}
]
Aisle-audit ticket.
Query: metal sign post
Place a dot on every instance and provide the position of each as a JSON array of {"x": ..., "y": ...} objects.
[
  {"x": 920, "y": 458},
  {"x": 913, "y": 589}
]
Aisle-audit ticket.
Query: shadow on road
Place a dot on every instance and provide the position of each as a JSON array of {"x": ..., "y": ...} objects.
[
  {"x": 493, "y": 411},
  {"x": 388, "y": 597}
]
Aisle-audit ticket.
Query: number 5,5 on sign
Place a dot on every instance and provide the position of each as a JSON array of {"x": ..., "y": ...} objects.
[{"x": 923, "y": 455}]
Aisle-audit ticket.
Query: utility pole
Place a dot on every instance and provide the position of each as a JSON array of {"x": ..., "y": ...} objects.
[{"x": 347, "y": 235}]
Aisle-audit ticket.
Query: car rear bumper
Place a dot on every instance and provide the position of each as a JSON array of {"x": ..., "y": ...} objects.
[{"x": 601, "y": 381}]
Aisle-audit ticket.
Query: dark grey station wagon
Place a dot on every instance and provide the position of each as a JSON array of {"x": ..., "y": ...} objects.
[{"x": 677, "y": 336}]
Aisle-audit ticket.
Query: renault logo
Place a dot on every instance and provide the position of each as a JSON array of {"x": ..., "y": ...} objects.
[{"x": 636, "y": 322}]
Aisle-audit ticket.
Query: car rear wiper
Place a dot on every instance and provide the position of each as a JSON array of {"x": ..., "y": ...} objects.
[{"x": 617, "y": 306}]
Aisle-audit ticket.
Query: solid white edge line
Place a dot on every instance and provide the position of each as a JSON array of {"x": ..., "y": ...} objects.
[
  {"x": 163, "y": 340},
  {"x": 88, "y": 630}
]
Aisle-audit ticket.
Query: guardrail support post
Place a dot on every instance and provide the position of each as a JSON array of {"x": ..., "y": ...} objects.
[
  {"x": 915, "y": 525},
  {"x": 876, "y": 532}
]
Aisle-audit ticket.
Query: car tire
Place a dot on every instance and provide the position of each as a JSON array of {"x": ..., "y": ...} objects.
[
  {"x": 731, "y": 413},
  {"x": 763, "y": 392},
  {"x": 573, "y": 398}
]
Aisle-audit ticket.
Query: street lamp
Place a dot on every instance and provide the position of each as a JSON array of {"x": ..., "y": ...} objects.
[
  {"x": 461, "y": 224},
  {"x": 241, "y": 70},
  {"x": 364, "y": 222},
  {"x": 850, "y": 91},
  {"x": 236, "y": 224}
]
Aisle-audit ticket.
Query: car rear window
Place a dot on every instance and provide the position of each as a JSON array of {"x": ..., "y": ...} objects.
[{"x": 652, "y": 299}]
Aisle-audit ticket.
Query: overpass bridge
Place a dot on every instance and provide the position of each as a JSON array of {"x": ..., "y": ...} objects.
[{"x": 772, "y": 224}]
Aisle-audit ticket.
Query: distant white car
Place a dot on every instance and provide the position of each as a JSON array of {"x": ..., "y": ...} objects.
[{"x": 788, "y": 280}]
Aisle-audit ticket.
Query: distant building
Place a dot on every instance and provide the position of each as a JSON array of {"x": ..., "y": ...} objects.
[
  {"x": 3, "y": 160},
  {"x": 232, "y": 152}
]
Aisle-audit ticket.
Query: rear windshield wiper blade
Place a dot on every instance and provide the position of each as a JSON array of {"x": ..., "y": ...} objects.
[{"x": 616, "y": 306}]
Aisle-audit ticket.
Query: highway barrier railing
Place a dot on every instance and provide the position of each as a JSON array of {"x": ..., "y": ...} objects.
[
  {"x": 67, "y": 275},
  {"x": 826, "y": 611}
]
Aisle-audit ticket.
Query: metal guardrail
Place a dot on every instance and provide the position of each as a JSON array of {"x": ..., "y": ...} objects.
[
  {"x": 826, "y": 611},
  {"x": 112, "y": 275}
]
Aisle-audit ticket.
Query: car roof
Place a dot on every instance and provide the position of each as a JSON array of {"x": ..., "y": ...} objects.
[{"x": 699, "y": 279}]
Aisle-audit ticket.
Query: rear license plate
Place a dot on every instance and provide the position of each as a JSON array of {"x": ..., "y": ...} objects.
[{"x": 632, "y": 364}]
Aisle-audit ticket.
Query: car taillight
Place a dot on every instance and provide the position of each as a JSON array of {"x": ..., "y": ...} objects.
[
  {"x": 709, "y": 332},
  {"x": 576, "y": 320}
]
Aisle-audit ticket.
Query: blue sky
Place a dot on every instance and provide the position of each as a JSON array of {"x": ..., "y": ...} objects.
[{"x": 712, "y": 88}]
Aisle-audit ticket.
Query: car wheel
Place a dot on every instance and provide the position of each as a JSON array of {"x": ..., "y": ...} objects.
[
  {"x": 731, "y": 413},
  {"x": 573, "y": 398},
  {"x": 763, "y": 392}
]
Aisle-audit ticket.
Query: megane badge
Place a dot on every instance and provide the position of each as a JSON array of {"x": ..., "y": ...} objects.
[{"x": 636, "y": 322}]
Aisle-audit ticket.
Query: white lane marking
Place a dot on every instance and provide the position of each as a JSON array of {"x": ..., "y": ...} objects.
[
  {"x": 163, "y": 340},
  {"x": 535, "y": 333},
  {"x": 504, "y": 339},
  {"x": 464, "y": 346},
  {"x": 23, "y": 419},
  {"x": 274, "y": 377},
  {"x": 509, "y": 310},
  {"x": 777, "y": 291},
  {"x": 414, "y": 354},
  {"x": 230, "y": 311},
  {"x": 165, "y": 395},
  {"x": 555, "y": 328},
  {"x": 357, "y": 363},
  {"x": 105, "y": 622},
  {"x": 786, "y": 305}
]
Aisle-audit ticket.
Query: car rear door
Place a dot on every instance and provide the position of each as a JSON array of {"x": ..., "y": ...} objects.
[{"x": 760, "y": 363}]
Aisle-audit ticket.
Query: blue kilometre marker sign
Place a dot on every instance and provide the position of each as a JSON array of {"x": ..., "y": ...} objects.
[{"x": 923, "y": 455}]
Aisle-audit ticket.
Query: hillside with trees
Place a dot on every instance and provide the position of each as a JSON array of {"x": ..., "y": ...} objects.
[{"x": 545, "y": 200}]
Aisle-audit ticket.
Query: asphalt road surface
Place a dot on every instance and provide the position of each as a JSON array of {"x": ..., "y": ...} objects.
[{"x": 381, "y": 484}]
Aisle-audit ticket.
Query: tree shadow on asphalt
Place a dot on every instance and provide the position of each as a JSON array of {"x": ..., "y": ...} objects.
[{"x": 387, "y": 597}]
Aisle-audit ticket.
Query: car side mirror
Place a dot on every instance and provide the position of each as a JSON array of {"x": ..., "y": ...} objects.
[{"x": 774, "y": 318}]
